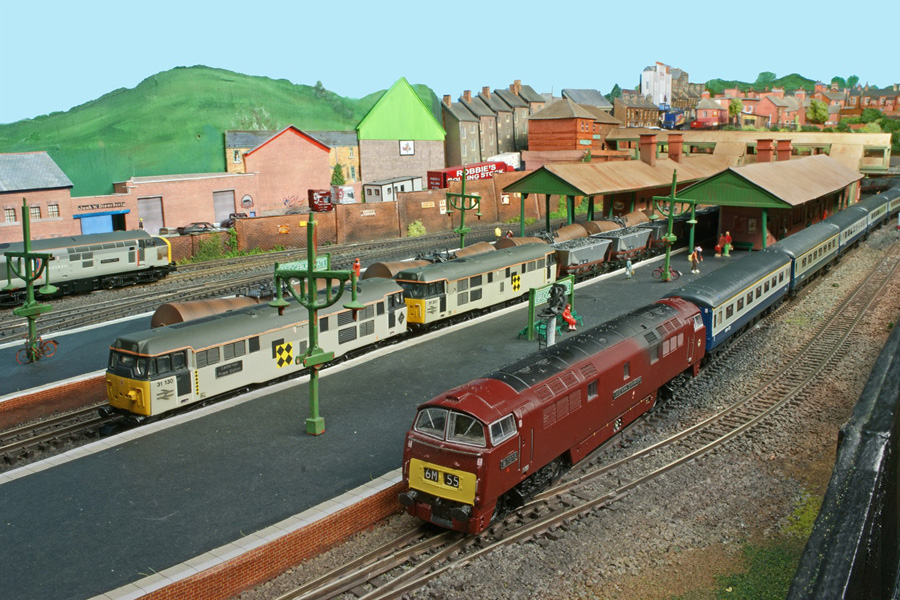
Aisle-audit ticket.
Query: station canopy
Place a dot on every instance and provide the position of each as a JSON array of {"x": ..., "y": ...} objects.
[{"x": 782, "y": 184}]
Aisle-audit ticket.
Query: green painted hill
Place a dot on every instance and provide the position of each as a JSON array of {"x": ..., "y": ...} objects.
[
  {"x": 766, "y": 79},
  {"x": 175, "y": 122}
]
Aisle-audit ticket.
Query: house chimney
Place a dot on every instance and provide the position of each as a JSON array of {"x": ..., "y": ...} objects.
[
  {"x": 784, "y": 150},
  {"x": 467, "y": 95},
  {"x": 447, "y": 100},
  {"x": 764, "y": 151},
  {"x": 676, "y": 142},
  {"x": 516, "y": 87},
  {"x": 648, "y": 148},
  {"x": 704, "y": 94},
  {"x": 486, "y": 90}
]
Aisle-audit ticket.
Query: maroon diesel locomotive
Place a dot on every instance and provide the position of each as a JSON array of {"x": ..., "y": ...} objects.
[{"x": 491, "y": 444}]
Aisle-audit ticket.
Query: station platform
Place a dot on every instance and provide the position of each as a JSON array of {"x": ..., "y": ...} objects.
[{"x": 179, "y": 495}]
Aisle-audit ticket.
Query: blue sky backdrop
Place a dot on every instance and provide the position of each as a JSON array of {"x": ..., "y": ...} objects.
[{"x": 59, "y": 54}]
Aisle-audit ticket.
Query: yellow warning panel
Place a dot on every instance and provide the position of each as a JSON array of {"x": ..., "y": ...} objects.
[{"x": 442, "y": 481}]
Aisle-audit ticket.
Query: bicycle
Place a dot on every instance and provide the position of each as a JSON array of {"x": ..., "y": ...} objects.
[
  {"x": 673, "y": 273},
  {"x": 40, "y": 349}
]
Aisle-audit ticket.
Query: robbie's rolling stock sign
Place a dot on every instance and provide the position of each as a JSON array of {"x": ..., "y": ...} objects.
[{"x": 440, "y": 179}]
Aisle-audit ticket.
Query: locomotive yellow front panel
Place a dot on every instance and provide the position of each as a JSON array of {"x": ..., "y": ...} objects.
[
  {"x": 128, "y": 394},
  {"x": 442, "y": 481},
  {"x": 415, "y": 310}
]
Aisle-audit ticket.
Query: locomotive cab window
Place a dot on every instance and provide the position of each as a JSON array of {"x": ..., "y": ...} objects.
[
  {"x": 465, "y": 430},
  {"x": 626, "y": 370},
  {"x": 431, "y": 422},
  {"x": 503, "y": 429}
]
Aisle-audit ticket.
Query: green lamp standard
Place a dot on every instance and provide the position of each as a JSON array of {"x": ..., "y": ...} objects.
[
  {"x": 308, "y": 274},
  {"x": 463, "y": 202},
  {"x": 29, "y": 267},
  {"x": 669, "y": 212}
]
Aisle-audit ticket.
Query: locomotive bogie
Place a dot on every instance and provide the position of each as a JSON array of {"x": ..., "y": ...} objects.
[{"x": 155, "y": 371}]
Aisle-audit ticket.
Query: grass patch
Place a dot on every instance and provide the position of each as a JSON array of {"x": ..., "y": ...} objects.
[
  {"x": 213, "y": 248},
  {"x": 769, "y": 574},
  {"x": 768, "y": 569}
]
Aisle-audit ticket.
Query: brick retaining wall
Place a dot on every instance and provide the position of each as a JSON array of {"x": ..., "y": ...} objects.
[
  {"x": 267, "y": 561},
  {"x": 16, "y": 410}
]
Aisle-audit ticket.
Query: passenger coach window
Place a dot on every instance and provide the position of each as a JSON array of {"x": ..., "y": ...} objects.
[{"x": 626, "y": 370}]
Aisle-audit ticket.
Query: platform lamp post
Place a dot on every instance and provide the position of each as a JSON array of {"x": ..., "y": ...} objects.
[
  {"x": 463, "y": 202},
  {"x": 308, "y": 273},
  {"x": 29, "y": 267},
  {"x": 669, "y": 238}
]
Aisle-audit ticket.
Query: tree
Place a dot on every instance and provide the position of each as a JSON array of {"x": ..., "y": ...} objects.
[
  {"x": 870, "y": 115},
  {"x": 615, "y": 92},
  {"x": 817, "y": 111},
  {"x": 852, "y": 81},
  {"x": 840, "y": 81},
  {"x": 765, "y": 79},
  {"x": 337, "y": 176},
  {"x": 734, "y": 110}
]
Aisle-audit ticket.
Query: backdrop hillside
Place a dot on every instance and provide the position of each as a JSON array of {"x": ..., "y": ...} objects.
[{"x": 175, "y": 121}]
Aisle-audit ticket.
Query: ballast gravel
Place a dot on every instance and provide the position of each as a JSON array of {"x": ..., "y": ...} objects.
[{"x": 673, "y": 536}]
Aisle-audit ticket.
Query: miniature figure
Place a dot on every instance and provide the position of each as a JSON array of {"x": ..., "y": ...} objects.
[
  {"x": 726, "y": 247},
  {"x": 629, "y": 269},
  {"x": 568, "y": 318},
  {"x": 695, "y": 262}
]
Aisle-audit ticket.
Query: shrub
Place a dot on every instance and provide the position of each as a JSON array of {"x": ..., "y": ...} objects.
[{"x": 415, "y": 229}]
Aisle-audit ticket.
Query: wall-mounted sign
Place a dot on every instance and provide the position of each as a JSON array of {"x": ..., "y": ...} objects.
[
  {"x": 367, "y": 213},
  {"x": 407, "y": 147},
  {"x": 103, "y": 206},
  {"x": 428, "y": 205},
  {"x": 443, "y": 206},
  {"x": 246, "y": 201}
]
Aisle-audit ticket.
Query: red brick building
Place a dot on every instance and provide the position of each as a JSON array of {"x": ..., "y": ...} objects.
[{"x": 290, "y": 163}]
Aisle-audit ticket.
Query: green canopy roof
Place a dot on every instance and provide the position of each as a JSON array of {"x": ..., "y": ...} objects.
[{"x": 400, "y": 115}]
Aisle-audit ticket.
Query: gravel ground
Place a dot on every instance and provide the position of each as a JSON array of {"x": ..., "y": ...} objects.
[{"x": 674, "y": 535}]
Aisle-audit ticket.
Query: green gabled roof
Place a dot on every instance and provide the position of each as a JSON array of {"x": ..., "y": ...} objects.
[
  {"x": 543, "y": 181},
  {"x": 400, "y": 115},
  {"x": 730, "y": 189}
]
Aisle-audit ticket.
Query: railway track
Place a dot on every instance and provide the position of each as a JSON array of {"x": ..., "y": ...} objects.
[
  {"x": 401, "y": 566},
  {"x": 27, "y": 440},
  {"x": 238, "y": 275}
]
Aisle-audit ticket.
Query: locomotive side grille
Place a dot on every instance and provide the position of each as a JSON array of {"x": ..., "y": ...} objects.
[
  {"x": 543, "y": 392},
  {"x": 549, "y": 416},
  {"x": 562, "y": 407},
  {"x": 346, "y": 335},
  {"x": 569, "y": 379},
  {"x": 588, "y": 371},
  {"x": 557, "y": 386}
]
